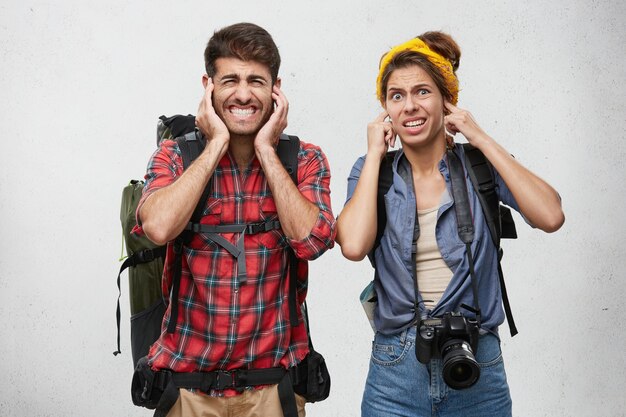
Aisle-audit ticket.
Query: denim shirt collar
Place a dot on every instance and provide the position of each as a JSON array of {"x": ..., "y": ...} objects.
[{"x": 402, "y": 166}]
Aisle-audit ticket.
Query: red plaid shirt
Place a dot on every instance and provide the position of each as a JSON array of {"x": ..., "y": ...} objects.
[{"x": 223, "y": 324}]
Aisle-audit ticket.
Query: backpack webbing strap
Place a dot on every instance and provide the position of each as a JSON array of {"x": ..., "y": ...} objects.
[
  {"x": 385, "y": 179},
  {"x": 287, "y": 397},
  {"x": 171, "y": 382},
  {"x": 506, "y": 303},
  {"x": 485, "y": 186},
  {"x": 238, "y": 250},
  {"x": 190, "y": 145},
  {"x": 137, "y": 258},
  {"x": 176, "y": 274},
  {"x": 288, "y": 148},
  {"x": 499, "y": 218},
  {"x": 465, "y": 223}
]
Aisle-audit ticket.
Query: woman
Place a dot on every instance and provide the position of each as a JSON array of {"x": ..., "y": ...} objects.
[{"x": 418, "y": 89}]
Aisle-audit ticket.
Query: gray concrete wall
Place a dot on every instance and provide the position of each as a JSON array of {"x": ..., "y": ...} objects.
[{"x": 83, "y": 82}]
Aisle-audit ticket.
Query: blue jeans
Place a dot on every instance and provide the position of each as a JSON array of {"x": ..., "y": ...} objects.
[{"x": 398, "y": 385}]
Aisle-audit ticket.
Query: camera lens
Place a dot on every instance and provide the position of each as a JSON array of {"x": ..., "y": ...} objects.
[{"x": 460, "y": 369}]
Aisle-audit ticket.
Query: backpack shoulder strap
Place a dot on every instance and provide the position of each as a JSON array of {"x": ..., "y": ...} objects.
[
  {"x": 385, "y": 179},
  {"x": 481, "y": 176},
  {"x": 287, "y": 150},
  {"x": 499, "y": 218},
  {"x": 191, "y": 145}
]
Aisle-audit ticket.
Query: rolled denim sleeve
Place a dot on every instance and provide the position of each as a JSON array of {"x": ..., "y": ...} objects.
[{"x": 353, "y": 178}]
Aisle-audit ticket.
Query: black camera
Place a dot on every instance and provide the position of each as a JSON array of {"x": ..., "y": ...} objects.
[{"x": 454, "y": 339}]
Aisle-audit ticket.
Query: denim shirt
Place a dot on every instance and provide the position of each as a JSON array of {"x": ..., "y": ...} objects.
[{"x": 394, "y": 282}]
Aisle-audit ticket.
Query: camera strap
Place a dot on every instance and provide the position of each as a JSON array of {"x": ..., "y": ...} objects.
[{"x": 465, "y": 228}]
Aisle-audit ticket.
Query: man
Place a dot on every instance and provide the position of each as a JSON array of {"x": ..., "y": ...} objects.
[{"x": 224, "y": 323}]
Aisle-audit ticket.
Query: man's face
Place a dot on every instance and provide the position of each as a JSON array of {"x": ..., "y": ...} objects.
[{"x": 242, "y": 96}]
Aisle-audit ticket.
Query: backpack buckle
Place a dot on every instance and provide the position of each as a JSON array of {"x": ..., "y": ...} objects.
[
  {"x": 178, "y": 246},
  {"x": 146, "y": 255},
  {"x": 225, "y": 379},
  {"x": 255, "y": 228}
]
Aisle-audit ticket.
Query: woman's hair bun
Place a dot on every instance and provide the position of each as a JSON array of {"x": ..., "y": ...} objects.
[{"x": 444, "y": 45}]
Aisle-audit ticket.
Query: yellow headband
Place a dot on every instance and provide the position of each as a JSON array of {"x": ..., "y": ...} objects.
[{"x": 417, "y": 45}]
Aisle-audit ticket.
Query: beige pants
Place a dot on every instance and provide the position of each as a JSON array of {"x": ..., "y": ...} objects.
[{"x": 251, "y": 403}]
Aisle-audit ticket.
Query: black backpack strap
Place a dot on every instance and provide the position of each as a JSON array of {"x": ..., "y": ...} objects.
[
  {"x": 137, "y": 258},
  {"x": 385, "y": 179},
  {"x": 499, "y": 218},
  {"x": 465, "y": 223},
  {"x": 169, "y": 384},
  {"x": 237, "y": 250},
  {"x": 481, "y": 176},
  {"x": 293, "y": 286},
  {"x": 190, "y": 145},
  {"x": 287, "y": 150}
]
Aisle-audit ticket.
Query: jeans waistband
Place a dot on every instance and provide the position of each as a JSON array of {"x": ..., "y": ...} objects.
[{"x": 409, "y": 333}]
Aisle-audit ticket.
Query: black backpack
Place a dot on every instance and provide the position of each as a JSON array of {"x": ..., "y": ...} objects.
[{"x": 498, "y": 217}]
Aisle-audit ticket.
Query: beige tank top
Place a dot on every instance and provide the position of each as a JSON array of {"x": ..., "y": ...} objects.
[{"x": 433, "y": 274}]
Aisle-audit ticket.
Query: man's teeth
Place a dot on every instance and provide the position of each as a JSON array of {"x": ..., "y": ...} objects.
[
  {"x": 415, "y": 123},
  {"x": 242, "y": 112}
]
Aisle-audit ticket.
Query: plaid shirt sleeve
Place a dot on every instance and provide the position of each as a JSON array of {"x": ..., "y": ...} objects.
[
  {"x": 164, "y": 167},
  {"x": 314, "y": 184}
]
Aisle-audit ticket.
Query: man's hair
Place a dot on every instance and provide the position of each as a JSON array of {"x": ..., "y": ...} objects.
[{"x": 244, "y": 41}]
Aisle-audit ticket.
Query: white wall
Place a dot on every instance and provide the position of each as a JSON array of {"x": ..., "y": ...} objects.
[{"x": 83, "y": 82}]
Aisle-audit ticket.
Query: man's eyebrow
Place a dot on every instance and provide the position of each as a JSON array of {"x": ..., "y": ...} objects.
[
  {"x": 251, "y": 77},
  {"x": 257, "y": 77},
  {"x": 226, "y": 76}
]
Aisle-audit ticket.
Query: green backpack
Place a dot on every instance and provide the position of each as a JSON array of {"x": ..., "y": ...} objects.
[{"x": 145, "y": 266}]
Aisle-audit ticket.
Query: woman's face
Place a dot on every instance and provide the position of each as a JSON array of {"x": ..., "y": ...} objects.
[{"x": 415, "y": 106}]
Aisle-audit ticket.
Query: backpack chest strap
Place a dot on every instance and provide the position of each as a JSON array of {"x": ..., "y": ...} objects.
[
  {"x": 248, "y": 228},
  {"x": 237, "y": 250}
]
